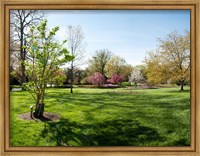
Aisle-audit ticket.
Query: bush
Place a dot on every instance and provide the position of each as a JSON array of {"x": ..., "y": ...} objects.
[
  {"x": 115, "y": 79},
  {"x": 124, "y": 84},
  {"x": 97, "y": 79}
]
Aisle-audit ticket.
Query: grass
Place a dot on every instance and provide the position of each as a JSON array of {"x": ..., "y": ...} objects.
[{"x": 105, "y": 117}]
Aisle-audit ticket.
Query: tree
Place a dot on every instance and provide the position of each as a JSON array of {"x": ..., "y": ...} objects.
[
  {"x": 115, "y": 79},
  {"x": 75, "y": 39},
  {"x": 172, "y": 59},
  {"x": 99, "y": 61},
  {"x": 58, "y": 77},
  {"x": 137, "y": 76},
  {"x": 21, "y": 22},
  {"x": 126, "y": 71},
  {"x": 78, "y": 73},
  {"x": 46, "y": 56},
  {"x": 157, "y": 69},
  {"x": 15, "y": 74},
  {"x": 118, "y": 65},
  {"x": 97, "y": 79}
]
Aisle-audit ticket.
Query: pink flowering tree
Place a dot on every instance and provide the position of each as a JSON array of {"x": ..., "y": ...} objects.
[
  {"x": 115, "y": 79},
  {"x": 97, "y": 79}
]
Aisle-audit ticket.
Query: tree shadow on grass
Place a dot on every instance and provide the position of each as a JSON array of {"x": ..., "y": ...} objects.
[
  {"x": 179, "y": 91},
  {"x": 122, "y": 101},
  {"x": 108, "y": 133}
]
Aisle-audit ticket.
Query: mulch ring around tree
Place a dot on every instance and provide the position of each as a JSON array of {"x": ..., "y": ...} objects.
[{"x": 46, "y": 117}]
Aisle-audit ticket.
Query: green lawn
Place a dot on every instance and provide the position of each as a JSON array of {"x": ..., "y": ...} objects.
[{"x": 104, "y": 117}]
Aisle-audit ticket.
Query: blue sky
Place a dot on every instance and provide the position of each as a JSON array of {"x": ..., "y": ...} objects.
[{"x": 126, "y": 33}]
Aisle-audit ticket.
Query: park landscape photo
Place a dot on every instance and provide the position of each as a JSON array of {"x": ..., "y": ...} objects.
[{"x": 100, "y": 78}]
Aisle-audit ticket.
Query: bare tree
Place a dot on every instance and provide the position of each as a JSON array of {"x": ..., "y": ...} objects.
[
  {"x": 21, "y": 22},
  {"x": 75, "y": 37}
]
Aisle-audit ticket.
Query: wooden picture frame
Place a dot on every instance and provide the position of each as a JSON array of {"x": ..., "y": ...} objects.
[{"x": 192, "y": 5}]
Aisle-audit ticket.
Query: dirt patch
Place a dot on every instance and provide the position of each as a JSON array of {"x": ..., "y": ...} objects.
[{"x": 46, "y": 117}]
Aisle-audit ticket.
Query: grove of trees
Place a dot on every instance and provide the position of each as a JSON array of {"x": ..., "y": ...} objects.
[
  {"x": 169, "y": 63},
  {"x": 99, "y": 61},
  {"x": 36, "y": 59},
  {"x": 119, "y": 66},
  {"x": 113, "y": 68}
]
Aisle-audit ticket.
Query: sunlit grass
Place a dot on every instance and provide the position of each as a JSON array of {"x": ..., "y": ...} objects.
[{"x": 105, "y": 117}]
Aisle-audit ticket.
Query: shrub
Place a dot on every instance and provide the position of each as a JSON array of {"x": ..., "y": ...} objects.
[
  {"x": 115, "y": 79},
  {"x": 97, "y": 79}
]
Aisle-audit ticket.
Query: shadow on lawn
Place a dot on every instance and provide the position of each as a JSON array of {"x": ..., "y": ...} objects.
[
  {"x": 179, "y": 91},
  {"x": 108, "y": 133},
  {"x": 111, "y": 99}
]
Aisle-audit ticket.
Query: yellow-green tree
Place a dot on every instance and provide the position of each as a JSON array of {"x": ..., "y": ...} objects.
[
  {"x": 119, "y": 66},
  {"x": 157, "y": 70},
  {"x": 171, "y": 61},
  {"x": 58, "y": 77}
]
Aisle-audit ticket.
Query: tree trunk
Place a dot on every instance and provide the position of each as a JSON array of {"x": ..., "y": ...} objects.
[
  {"x": 22, "y": 55},
  {"x": 72, "y": 78},
  {"x": 135, "y": 85},
  {"x": 39, "y": 111},
  {"x": 182, "y": 84}
]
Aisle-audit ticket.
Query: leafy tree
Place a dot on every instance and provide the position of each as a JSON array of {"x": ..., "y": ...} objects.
[
  {"x": 136, "y": 76},
  {"x": 115, "y": 79},
  {"x": 99, "y": 61},
  {"x": 58, "y": 77},
  {"x": 15, "y": 76},
  {"x": 46, "y": 56},
  {"x": 118, "y": 65},
  {"x": 97, "y": 79},
  {"x": 126, "y": 71},
  {"x": 67, "y": 75},
  {"x": 20, "y": 24},
  {"x": 78, "y": 73},
  {"x": 157, "y": 70},
  {"x": 75, "y": 39},
  {"x": 172, "y": 60}
]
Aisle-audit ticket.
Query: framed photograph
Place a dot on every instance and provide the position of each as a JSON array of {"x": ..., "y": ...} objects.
[{"x": 100, "y": 77}]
